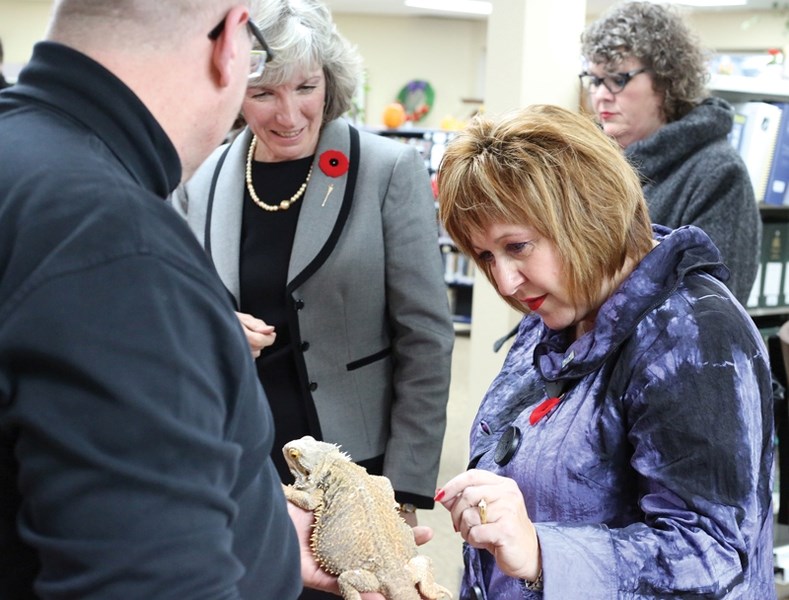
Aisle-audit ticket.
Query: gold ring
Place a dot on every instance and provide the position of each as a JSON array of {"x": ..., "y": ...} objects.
[{"x": 482, "y": 506}]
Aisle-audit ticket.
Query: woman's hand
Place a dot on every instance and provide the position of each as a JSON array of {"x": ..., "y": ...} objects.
[
  {"x": 313, "y": 576},
  {"x": 259, "y": 334},
  {"x": 508, "y": 533}
]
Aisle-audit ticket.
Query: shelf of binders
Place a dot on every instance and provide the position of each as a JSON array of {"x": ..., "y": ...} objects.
[
  {"x": 760, "y": 132},
  {"x": 761, "y": 136},
  {"x": 770, "y": 294}
]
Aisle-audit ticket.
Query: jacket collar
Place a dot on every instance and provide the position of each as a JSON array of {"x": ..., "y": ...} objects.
[
  {"x": 323, "y": 201},
  {"x": 72, "y": 83},
  {"x": 680, "y": 253},
  {"x": 675, "y": 142},
  {"x": 322, "y": 215}
]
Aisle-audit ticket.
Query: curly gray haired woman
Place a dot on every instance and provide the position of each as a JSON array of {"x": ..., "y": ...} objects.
[
  {"x": 657, "y": 36},
  {"x": 645, "y": 78}
]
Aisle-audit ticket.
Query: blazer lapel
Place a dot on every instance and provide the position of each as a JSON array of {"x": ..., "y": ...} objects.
[
  {"x": 226, "y": 213},
  {"x": 326, "y": 205}
]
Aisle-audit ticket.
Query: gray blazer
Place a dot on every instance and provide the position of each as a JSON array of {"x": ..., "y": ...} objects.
[{"x": 370, "y": 313}]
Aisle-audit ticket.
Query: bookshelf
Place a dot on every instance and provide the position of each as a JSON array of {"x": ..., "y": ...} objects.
[
  {"x": 459, "y": 277},
  {"x": 769, "y": 319},
  {"x": 741, "y": 89}
]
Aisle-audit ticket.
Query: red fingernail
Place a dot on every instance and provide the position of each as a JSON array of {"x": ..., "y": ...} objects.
[{"x": 439, "y": 495}]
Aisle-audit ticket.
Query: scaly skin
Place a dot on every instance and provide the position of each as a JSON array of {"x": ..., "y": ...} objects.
[{"x": 358, "y": 534}]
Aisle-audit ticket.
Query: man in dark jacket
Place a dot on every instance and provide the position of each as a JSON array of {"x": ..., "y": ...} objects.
[{"x": 134, "y": 436}]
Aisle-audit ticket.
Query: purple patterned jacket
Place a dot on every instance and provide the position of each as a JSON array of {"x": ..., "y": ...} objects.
[{"x": 652, "y": 478}]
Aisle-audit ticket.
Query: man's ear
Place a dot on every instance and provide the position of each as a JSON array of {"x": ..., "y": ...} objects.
[{"x": 229, "y": 47}]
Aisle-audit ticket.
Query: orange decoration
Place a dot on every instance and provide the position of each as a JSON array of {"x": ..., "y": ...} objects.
[{"x": 394, "y": 115}]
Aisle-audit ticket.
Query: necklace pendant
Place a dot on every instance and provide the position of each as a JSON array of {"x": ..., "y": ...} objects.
[{"x": 285, "y": 204}]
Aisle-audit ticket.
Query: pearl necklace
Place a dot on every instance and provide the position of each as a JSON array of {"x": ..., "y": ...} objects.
[{"x": 285, "y": 204}]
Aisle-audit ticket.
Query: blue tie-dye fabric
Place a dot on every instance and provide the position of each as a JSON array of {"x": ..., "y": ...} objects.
[{"x": 653, "y": 476}]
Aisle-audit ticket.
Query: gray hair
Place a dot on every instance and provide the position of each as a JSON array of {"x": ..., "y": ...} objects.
[
  {"x": 302, "y": 36},
  {"x": 657, "y": 36}
]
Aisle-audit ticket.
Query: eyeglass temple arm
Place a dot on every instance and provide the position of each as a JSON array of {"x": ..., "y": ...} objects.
[
  {"x": 258, "y": 35},
  {"x": 254, "y": 29}
]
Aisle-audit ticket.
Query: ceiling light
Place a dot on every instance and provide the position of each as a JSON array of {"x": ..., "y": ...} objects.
[
  {"x": 474, "y": 7},
  {"x": 706, "y": 3}
]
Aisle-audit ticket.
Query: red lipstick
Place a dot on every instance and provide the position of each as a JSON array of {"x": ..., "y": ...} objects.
[{"x": 535, "y": 303}]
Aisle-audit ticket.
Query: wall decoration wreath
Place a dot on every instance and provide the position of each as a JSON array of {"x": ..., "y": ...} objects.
[{"x": 417, "y": 98}]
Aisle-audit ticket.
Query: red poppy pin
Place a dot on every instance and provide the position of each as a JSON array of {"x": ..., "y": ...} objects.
[{"x": 334, "y": 163}]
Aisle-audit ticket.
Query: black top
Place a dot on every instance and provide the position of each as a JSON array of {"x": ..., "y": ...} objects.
[
  {"x": 134, "y": 435},
  {"x": 266, "y": 242}
]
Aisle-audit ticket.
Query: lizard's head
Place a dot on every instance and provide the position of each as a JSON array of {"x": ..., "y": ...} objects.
[{"x": 308, "y": 456}]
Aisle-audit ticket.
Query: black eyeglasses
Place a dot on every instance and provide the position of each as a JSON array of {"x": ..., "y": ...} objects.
[
  {"x": 614, "y": 82},
  {"x": 258, "y": 57}
]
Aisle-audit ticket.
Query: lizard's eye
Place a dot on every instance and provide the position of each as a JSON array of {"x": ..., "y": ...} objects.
[{"x": 294, "y": 454}]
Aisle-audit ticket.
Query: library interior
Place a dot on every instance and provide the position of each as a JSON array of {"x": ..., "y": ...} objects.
[{"x": 428, "y": 71}]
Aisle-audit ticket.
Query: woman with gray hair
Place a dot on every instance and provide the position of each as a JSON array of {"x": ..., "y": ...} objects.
[
  {"x": 646, "y": 83},
  {"x": 327, "y": 239}
]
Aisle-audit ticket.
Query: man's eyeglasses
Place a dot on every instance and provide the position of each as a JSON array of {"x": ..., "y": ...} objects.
[
  {"x": 258, "y": 56},
  {"x": 614, "y": 82}
]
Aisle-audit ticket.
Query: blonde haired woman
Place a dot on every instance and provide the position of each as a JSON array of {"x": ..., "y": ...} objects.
[{"x": 625, "y": 448}]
